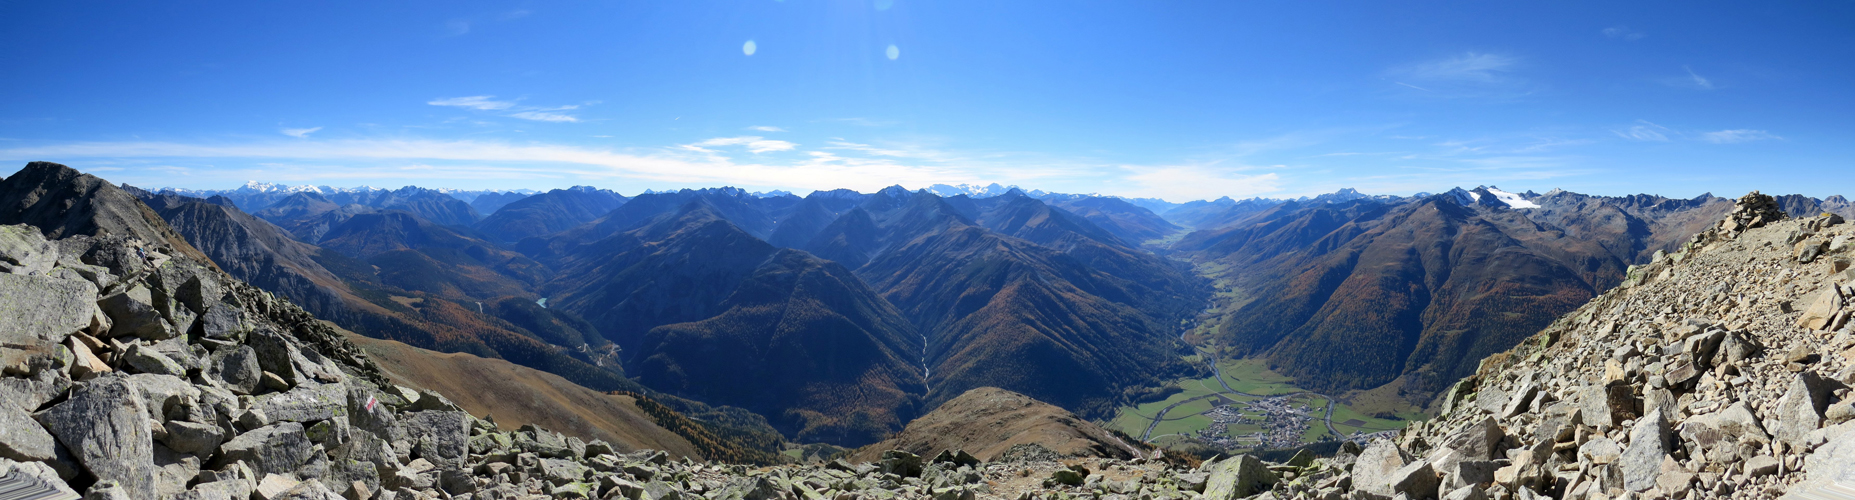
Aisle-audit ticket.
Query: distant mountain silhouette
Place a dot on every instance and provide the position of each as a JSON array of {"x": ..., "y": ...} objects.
[
  {"x": 548, "y": 213},
  {"x": 1408, "y": 294}
]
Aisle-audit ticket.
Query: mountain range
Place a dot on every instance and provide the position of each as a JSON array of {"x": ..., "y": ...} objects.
[{"x": 841, "y": 316}]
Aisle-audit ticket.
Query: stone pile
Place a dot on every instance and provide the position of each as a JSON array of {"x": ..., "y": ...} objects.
[{"x": 1754, "y": 210}]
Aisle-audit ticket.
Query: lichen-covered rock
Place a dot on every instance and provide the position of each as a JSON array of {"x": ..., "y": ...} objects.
[
  {"x": 441, "y": 437},
  {"x": 306, "y": 403},
  {"x": 236, "y": 369},
  {"x": 278, "y": 448},
  {"x": 105, "y": 426},
  {"x": 22, "y": 438},
  {"x": 24, "y": 251},
  {"x": 36, "y": 314}
]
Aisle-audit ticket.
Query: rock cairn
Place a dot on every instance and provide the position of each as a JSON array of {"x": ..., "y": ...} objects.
[
  {"x": 1754, "y": 210},
  {"x": 1720, "y": 371}
]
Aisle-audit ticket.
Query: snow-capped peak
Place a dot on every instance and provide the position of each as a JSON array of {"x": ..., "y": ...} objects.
[
  {"x": 1512, "y": 200},
  {"x": 1463, "y": 197}
]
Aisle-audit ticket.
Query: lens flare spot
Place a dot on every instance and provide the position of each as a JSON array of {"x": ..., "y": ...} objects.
[
  {"x": 893, "y": 52},
  {"x": 749, "y": 48}
]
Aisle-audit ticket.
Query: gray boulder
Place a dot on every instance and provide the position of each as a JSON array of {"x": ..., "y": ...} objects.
[
  {"x": 1641, "y": 462},
  {"x": 105, "y": 426},
  {"x": 1831, "y": 466},
  {"x": 274, "y": 449},
  {"x": 306, "y": 403},
  {"x": 1416, "y": 481},
  {"x": 224, "y": 322},
  {"x": 22, "y": 438},
  {"x": 1726, "y": 436},
  {"x": 236, "y": 368},
  {"x": 193, "y": 437},
  {"x": 441, "y": 437},
  {"x": 24, "y": 251},
  {"x": 146, "y": 360},
  {"x": 901, "y": 463},
  {"x": 33, "y": 392},
  {"x": 132, "y": 313},
  {"x": 164, "y": 394},
  {"x": 1239, "y": 477},
  {"x": 539, "y": 441},
  {"x": 1376, "y": 467},
  {"x": 1801, "y": 409},
  {"x": 40, "y": 312}
]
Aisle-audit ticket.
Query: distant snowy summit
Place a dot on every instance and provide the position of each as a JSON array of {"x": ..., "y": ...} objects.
[{"x": 1492, "y": 196}]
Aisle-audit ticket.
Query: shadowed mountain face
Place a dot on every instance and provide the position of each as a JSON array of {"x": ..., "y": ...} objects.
[
  {"x": 677, "y": 269},
  {"x": 356, "y": 295},
  {"x": 1365, "y": 293},
  {"x": 309, "y": 216},
  {"x": 709, "y": 312},
  {"x": 548, "y": 213},
  {"x": 428, "y": 204},
  {"x": 1130, "y": 223},
  {"x": 802, "y": 340},
  {"x": 1002, "y": 306},
  {"x": 812, "y": 215},
  {"x": 414, "y": 254},
  {"x": 757, "y": 216},
  {"x": 488, "y": 204},
  {"x": 257, "y": 252}
]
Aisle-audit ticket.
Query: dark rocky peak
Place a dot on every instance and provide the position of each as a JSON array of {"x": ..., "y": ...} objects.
[
  {"x": 297, "y": 205},
  {"x": 429, "y": 204},
  {"x": 63, "y": 202},
  {"x": 838, "y": 194}
]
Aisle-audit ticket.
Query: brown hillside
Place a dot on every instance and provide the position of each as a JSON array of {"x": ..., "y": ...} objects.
[
  {"x": 515, "y": 395},
  {"x": 988, "y": 421}
]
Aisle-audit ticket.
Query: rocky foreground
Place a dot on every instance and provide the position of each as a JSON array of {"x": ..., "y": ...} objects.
[{"x": 131, "y": 371}]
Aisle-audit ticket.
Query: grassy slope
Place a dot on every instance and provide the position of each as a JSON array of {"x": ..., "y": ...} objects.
[{"x": 515, "y": 395}]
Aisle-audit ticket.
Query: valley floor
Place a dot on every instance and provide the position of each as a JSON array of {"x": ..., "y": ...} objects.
[{"x": 1244, "y": 405}]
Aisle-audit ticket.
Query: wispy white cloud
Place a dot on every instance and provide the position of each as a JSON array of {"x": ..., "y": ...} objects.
[
  {"x": 753, "y": 144},
  {"x": 1469, "y": 67},
  {"x": 1623, "y": 33},
  {"x": 477, "y": 102},
  {"x": 1197, "y": 182},
  {"x": 301, "y": 133},
  {"x": 1468, "y": 75},
  {"x": 766, "y": 128},
  {"x": 1735, "y": 136},
  {"x": 512, "y": 110},
  {"x": 457, "y": 27},
  {"x": 544, "y": 116},
  {"x": 1697, "y": 80},
  {"x": 1644, "y": 130}
]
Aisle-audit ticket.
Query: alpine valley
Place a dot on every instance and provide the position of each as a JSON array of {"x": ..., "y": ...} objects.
[{"x": 244, "y": 338}]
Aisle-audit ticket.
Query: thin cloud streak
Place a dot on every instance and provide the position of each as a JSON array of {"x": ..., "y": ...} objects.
[
  {"x": 581, "y": 161},
  {"x": 1699, "y": 81},
  {"x": 1736, "y": 136},
  {"x": 300, "y": 133}
]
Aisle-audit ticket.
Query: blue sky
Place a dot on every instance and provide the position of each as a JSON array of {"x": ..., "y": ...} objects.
[{"x": 1174, "y": 99}]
